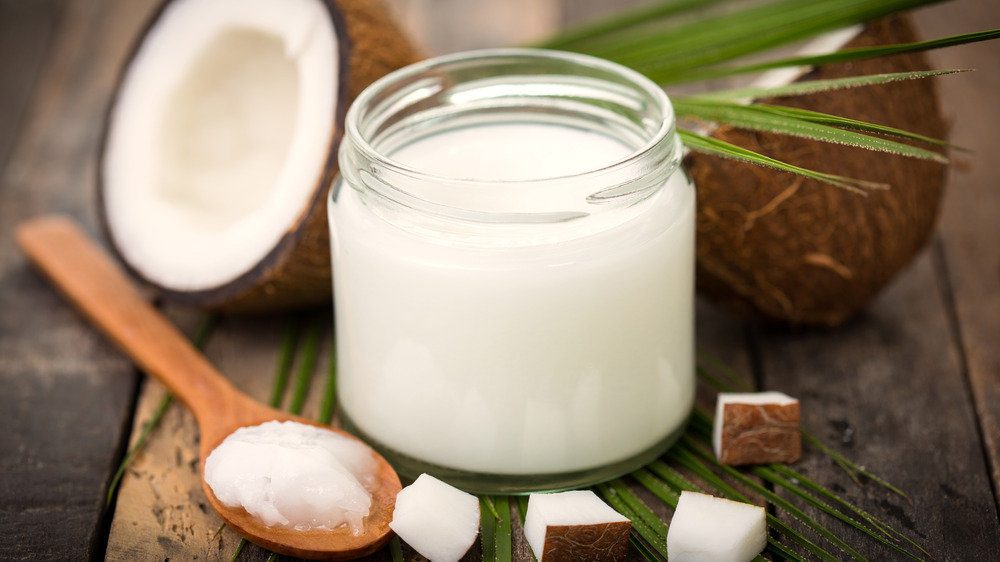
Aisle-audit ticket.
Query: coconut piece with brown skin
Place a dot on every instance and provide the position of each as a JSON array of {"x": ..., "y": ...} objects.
[
  {"x": 780, "y": 247},
  {"x": 575, "y": 525},
  {"x": 221, "y": 142},
  {"x": 756, "y": 428}
]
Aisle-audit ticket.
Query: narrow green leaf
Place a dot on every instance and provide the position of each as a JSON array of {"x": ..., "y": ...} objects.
[
  {"x": 644, "y": 521},
  {"x": 658, "y": 488},
  {"x": 784, "y": 550},
  {"x": 716, "y": 147},
  {"x": 710, "y": 378},
  {"x": 326, "y": 407},
  {"x": 495, "y": 528},
  {"x": 140, "y": 441},
  {"x": 622, "y": 20},
  {"x": 795, "y": 477},
  {"x": 850, "y": 466},
  {"x": 728, "y": 379},
  {"x": 488, "y": 528},
  {"x": 687, "y": 459},
  {"x": 239, "y": 549},
  {"x": 843, "y": 122},
  {"x": 396, "y": 549},
  {"x": 672, "y": 477},
  {"x": 643, "y": 548},
  {"x": 788, "y": 507},
  {"x": 676, "y": 482},
  {"x": 701, "y": 423},
  {"x": 881, "y": 532},
  {"x": 504, "y": 537},
  {"x": 845, "y": 55},
  {"x": 765, "y": 118},
  {"x": 814, "y": 86},
  {"x": 200, "y": 339},
  {"x": 307, "y": 367},
  {"x": 522, "y": 507},
  {"x": 664, "y": 51},
  {"x": 285, "y": 357}
]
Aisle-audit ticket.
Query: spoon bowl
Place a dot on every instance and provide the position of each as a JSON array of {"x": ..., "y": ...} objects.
[
  {"x": 90, "y": 280},
  {"x": 320, "y": 544}
]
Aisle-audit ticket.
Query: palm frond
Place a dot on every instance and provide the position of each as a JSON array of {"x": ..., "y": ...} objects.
[
  {"x": 846, "y": 55},
  {"x": 716, "y": 147},
  {"x": 665, "y": 49},
  {"x": 813, "y": 86},
  {"x": 777, "y": 120}
]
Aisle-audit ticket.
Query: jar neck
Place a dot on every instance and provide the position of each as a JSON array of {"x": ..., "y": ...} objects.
[{"x": 480, "y": 91}]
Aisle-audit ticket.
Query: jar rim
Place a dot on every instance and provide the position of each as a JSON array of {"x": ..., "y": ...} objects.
[
  {"x": 366, "y": 97},
  {"x": 653, "y": 156}
]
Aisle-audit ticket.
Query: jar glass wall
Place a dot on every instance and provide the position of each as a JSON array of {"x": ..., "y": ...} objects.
[{"x": 513, "y": 259}]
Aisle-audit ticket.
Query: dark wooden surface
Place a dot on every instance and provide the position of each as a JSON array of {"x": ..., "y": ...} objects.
[{"x": 910, "y": 389}]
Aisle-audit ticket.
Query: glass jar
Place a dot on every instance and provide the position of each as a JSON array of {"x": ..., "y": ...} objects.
[{"x": 513, "y": 259}]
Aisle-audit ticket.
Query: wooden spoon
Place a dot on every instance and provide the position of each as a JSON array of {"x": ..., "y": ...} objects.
[{"x": 92, "y": 281}]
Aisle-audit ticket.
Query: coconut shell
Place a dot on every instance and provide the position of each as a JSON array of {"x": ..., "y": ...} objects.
[
  {"x": 600, "y": 541},
  {"x": 759, "y": 434},
  {"x": 296, "y": 273},
  {"x": 776, "y": 246}
]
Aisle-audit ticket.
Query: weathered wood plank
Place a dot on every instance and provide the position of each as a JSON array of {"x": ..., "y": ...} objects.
[
  {"x": 67, "y": 394},
  {"x": 26, "y": 29},
  {"x": 160, "y": 513},
  {"x": 970, "y": 231},
  {"x": 161, "y": 510},
  {"x": 887, "y": 391}
]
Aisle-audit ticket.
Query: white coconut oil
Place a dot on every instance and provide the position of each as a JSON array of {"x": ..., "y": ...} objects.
[
  {"x": 522, "y": 316},
  {"x": 294, "y": 476}
]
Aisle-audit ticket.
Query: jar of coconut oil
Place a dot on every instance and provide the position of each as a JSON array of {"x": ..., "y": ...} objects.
[{"x": 513, "y": 261}]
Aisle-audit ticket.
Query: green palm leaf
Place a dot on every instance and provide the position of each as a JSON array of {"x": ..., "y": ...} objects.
[
  {"x": 676, "y": 41},
  {"x": 846, "y": 55},
  {"x": 814, "y": 86},
  {"x": 774, "y": 119},
  {"x": 709, "y": 145},
  {"x": 664, "y": 47}
]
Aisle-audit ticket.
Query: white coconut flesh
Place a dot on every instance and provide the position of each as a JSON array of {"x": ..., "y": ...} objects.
[
  {"x": 218, "y": 136},
  {"x": 709, "y": 529},
  {"x": 438, "y": 520}
]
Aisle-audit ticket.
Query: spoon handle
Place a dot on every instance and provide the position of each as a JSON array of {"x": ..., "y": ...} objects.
[{"x": 90, "y": 279}]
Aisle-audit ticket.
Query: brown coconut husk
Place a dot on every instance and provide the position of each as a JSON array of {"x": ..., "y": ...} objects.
[
  {"x": 776, "y": 246},
  {"x": 296, "y": 273}
]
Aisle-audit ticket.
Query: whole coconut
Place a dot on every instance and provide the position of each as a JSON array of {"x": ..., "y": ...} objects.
[{"x": 780, "y": 247}]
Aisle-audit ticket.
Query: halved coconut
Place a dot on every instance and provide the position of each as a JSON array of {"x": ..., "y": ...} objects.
[
  {"x": 221, "y": 142},
  {"x": 779, "y": 247}
]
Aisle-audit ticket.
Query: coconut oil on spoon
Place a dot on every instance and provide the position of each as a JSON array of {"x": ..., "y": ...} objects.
[{"x": 89, "y": 279}]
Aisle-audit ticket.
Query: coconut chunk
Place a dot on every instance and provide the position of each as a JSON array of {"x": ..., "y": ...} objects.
[
  {"x": 438, "y": 520},
  {"x": 756, "y": 428},
  {"x": 710, "y": 529},
  {"x": 575, "y": 525}
]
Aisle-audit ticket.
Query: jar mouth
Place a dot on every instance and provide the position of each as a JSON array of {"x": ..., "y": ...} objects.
[{"x": 511, "y": 85}]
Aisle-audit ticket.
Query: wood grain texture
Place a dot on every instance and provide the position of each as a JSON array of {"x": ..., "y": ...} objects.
[
  {"x": 67, "y": 395},
  {"x": 910, "y": 389},
  {"x": 887, "y": 392},
  {"x": 969, "y": 249},
  {"x": 99, "y": 288},
  {"x": 26, "y": 30}
]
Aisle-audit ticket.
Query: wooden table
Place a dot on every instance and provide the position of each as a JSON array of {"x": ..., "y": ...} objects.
[{"x": 910, "y": 389}]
